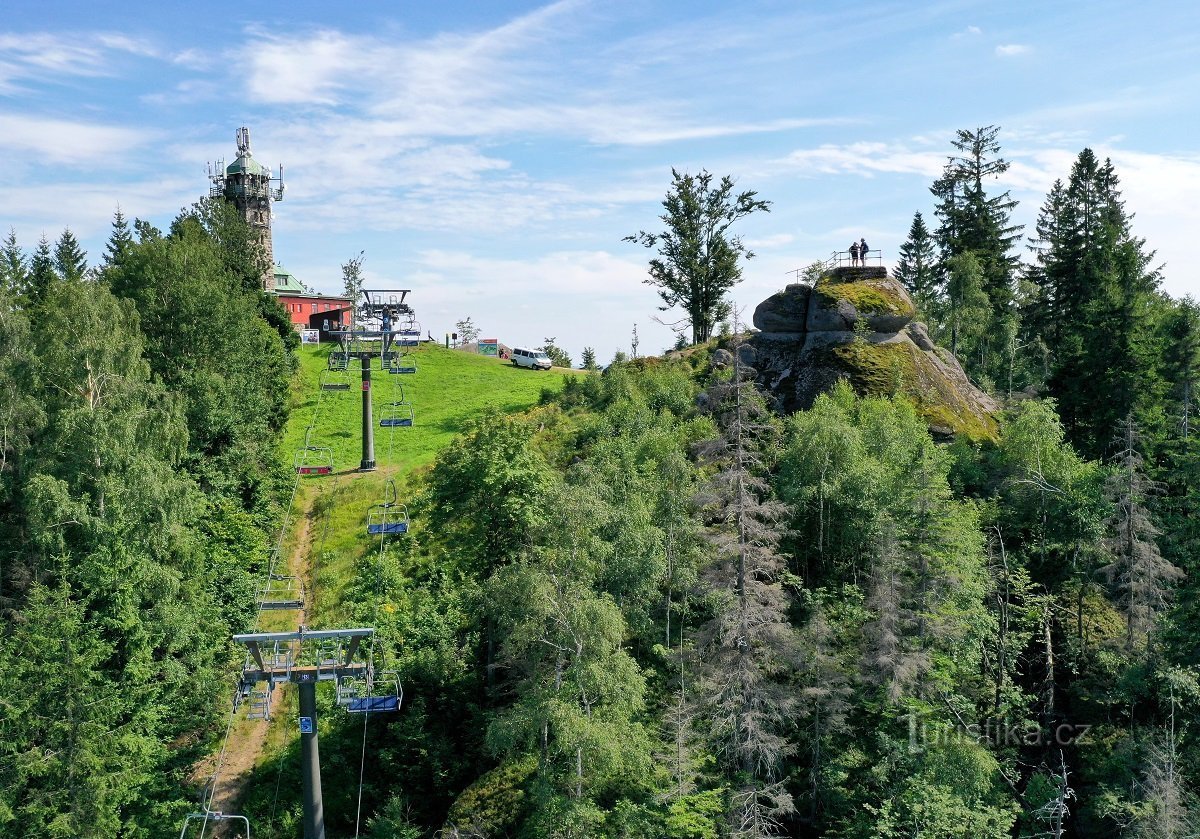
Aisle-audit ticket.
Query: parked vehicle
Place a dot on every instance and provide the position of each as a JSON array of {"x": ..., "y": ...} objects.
[{"x": 534, "y": 359}]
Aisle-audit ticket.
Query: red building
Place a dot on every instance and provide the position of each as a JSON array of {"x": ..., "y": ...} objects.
[{"x": 306, "y": 309}]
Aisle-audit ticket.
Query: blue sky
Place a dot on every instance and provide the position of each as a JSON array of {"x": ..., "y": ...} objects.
[{"x": 492, "y": 155}]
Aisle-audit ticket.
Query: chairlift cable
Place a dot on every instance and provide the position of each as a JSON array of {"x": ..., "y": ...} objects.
[{"x": 273, "y": 560}]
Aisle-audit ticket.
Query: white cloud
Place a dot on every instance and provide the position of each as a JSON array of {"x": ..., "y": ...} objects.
[
  {"x": 42, "y": 55},
  {"x": 509, "y": 80},
  {"x": 48, "y": 140},
  {"x": 1006, "y": 50},
  {"x": 866, "y": 159},
  {"x": 1160, "y": 190},
  {"x": 969, "y": 32},
  {"x": 775, "y": 240}
]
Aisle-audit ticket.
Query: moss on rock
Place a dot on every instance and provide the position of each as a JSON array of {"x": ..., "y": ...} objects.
[
  {"x": 869, "y": 297},
  {"x": 899, "y": 368}
]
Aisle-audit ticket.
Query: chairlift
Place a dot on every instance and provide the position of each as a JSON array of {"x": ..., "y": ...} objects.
[
  {"x": 399, "y": 365},
  {"x": 282, "y": 591},
  {"x": 399, "y": 415},
  {"x": 408, "y": 337},
  {"x": 338, "y": 360},
  {"x": 211, "y": 816},
  {"x": 335, "y": 378},
  {"x": 384, "y": 693},
  {"x": 313, "y": 460},
  {"x": 390, "y": 517}
]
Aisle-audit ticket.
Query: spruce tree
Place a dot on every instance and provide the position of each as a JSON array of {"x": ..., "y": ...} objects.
[
  {"x": 120, "y": 242},
  {"x": 1182, "y": 364},
  {"x": 917, "y": 268},
  {"x": 748, "y": 646},
  {"x": 1142, "y": 577},
  {"x": 69, "y": 259},
  {"x": 973, "y": 220},
  {"x": 41, "y": 271},
  {"x": 14, "y": 268}
]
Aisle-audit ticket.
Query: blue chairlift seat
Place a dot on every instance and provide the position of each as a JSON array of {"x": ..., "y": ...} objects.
[
  {"x": 373, "y": 704},
  {"x": 389, "y": 518},
  {"x": 399, "y": 365},
  {"x": 399, "y": 415},
  {"x": 387, "y": 528},
  {"x": 378, "y": 694}
]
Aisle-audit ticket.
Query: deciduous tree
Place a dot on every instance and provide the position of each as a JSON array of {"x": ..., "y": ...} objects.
[{"x": 698, "y": 257}]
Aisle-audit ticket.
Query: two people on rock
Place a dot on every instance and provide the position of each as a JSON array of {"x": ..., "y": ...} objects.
[{"x": 858, "y": 252}]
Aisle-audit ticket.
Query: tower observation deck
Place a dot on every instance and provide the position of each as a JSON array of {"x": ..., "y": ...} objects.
[{"x": 247, "y": 184}]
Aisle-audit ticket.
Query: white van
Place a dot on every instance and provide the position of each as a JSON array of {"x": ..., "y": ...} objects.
[{"x": 535, "y": 359}]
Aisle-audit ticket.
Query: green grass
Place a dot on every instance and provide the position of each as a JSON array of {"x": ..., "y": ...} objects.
[{"x": 448, "y": 389}]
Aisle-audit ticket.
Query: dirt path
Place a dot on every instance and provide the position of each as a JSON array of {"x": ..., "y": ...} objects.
[{"x": 249, "y": 737}]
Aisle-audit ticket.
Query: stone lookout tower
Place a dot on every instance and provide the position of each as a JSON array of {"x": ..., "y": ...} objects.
[{"x": 246, "y": 184}]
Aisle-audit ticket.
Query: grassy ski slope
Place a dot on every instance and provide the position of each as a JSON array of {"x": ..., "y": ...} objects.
[{"x": 448, "y": 389}]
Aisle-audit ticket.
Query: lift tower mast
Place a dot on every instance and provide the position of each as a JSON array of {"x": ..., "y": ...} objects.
[{"x": 388, "y": 306}]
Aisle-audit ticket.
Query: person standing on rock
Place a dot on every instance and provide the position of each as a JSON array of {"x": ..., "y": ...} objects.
[
  {"x": 862, "y": 252},
  {"x": 854, "y": 253}
]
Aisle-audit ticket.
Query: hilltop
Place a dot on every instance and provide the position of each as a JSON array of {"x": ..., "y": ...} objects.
[{"x": 859, "y": 324}]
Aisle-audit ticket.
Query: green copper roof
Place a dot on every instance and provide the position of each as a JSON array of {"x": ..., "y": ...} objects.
[
  {"x": 246, "y": 163},
  {"x": 286, "y": 282}
]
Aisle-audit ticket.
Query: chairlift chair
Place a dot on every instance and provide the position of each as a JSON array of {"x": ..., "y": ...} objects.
[
  {"x": 399, "y": 415},
  {"x": 210, "y": 816},
  {"x": 312, "y": 459},
  {"x": 338, "y": 360},
  {"x": 282, "y": 591},
  {"x": 399, "y": 365},
  {"x": 387, "y": 520},
  {"x": 335, "y": 378},
  {"x": 384, "y": 694},
  {"x": 390, "y": 517}
]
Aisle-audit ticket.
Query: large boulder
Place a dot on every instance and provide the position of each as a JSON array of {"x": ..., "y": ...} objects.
[
  {"x": 786, "y": 311},
  {"x": 857, "y": 324}
]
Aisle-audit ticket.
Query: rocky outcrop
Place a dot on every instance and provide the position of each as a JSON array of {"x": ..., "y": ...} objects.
[{"x": 857, "y": 324}]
